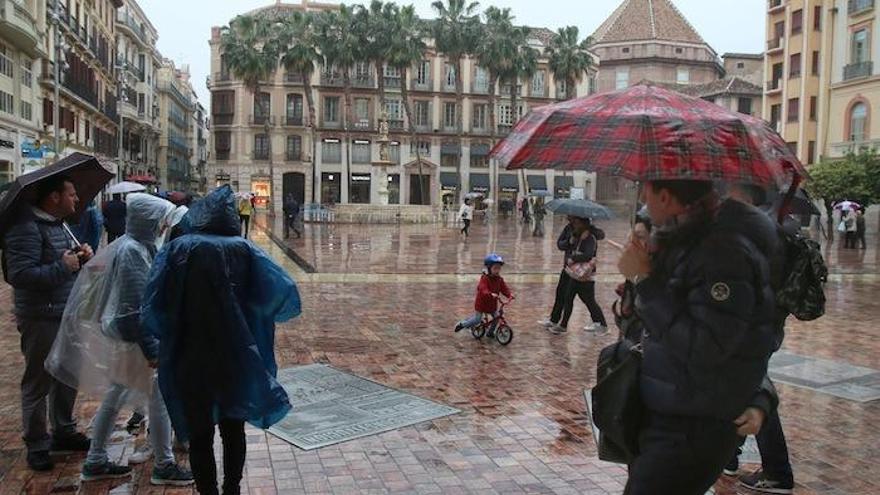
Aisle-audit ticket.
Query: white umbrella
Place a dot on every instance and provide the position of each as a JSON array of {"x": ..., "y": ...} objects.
[{"x": 125, "y": 187}]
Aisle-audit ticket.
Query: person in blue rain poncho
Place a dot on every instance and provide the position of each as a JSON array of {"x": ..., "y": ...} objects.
[
  {"x": 101, "y": 348},
  {"x": 212, "y": 301}
]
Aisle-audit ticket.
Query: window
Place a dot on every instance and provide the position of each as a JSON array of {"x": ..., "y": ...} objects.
[
  {"x": 480, "y": 116},
  {"x": 392, "y": 76},
  {"x": 814, "y": 103},
  {"x": 449, "y": 79},
  {"x": 6, "y": 67},
  {"x": 331, "y": 109},
  {"x": 561, "y": 87},
  {"x": 331, "y": 151},
  {"x": 794, "y": 109},
  {"x": 622, "y": 81},
  {"x": 394, "y": 109},
  {"x": 794, "y": 66},
  {"x": 740, "y": 65},
  {"x": 423, "y": 73},
  {"x": 449, "y": 120},
  {"x": 222, "y": 144},
  {"x": 679, "y": 51},
  {"x": 7, "y": 103},
  {"x": 815, "y": 65},
  {"x": 683, "y": 76},
  {"x": 223, "y": 102},
  {"x": 294, "y": 148},
  {"x": 744, "y": 105},
  {"x": 362, "y": 112},
  {"x": 362, "y": 71},
  {"x": 860, "y": 46},
  {"x": 27, "y": 111},
  {"x": 479, "y": 160},
  {"x": 811, "y": 152},
  {"x": 858, "y": 122},
  {"x": 261, "y": 147},
  {"x": 538, "y": 83},
  {"x": 591, "y": 85},
  {"x": 817, "y": 18},
  {"x": 27, "y": 75},
  {"x": 394, "y": 152},
  {"x": 481, "y": 80},
  {"x": 262, "y": 105},
  {"x": 294, "y": 109},
  {"x": 505, "y": 115},
  {"x": 142, "y": 67},
  {"x": 422, "y": 113},
  {"x": 797, "y": 21},
  {"x": 775, "y": 115},
  {"x": 360, "y": 152},
  {"x": 792, "y": 146},
  {"x": 625, "y": 49},
  {"x": 424, "y": 148},
  {"x": 142, "y": 103}
]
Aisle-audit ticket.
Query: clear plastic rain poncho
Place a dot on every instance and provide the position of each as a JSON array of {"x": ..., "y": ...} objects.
[{"x": 99, "y": 342}]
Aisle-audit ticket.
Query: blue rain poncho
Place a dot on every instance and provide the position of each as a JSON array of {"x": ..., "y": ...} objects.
[
  {"x": 212, "y": 301},
  {"x": 100, "y": 341}
]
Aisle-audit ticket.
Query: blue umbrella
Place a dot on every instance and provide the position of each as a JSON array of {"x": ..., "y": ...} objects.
[
  {"x": 579, "y": 208},
  {"x": 541, "y": 193}
]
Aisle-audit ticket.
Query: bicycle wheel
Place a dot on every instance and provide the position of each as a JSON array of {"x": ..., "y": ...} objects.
[
  {"x": 504, "y": 334},
  {"x": 478, "y": 331}
]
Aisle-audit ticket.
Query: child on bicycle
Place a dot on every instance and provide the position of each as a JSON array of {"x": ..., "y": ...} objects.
[{"x": 490, "y": 288}]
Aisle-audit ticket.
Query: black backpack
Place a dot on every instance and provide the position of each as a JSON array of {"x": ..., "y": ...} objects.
[{"x": 802, "y": 293}]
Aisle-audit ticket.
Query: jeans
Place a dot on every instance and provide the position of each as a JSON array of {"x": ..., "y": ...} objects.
[
  {"x": 586, "y": 291},
  {"x": 39, "y": 390},
  {"x": 105, "y": 419},
  {"x": 246, "y": 222},
  {"x": 774, "y": 450},
  {"x": 679, "y": 455}
]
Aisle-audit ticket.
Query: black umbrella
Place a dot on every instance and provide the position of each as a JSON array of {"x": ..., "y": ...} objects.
[
  {"x": 84, "y": 171},
  {"x": 579, "y": 208}
]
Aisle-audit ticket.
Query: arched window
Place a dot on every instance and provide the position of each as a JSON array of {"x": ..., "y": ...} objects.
[{"x": 858, "y": 122}]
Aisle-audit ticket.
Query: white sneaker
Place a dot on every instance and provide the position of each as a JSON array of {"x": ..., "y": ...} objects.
[
  {"x": 596, "y": 328},
  {"x": 141, "y": 454},
  {"x": 557, "y": 329},
  {"x": 546, "y": 324}
]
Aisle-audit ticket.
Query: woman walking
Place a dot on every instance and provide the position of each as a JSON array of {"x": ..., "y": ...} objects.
[{"x": 466, "y": 213}]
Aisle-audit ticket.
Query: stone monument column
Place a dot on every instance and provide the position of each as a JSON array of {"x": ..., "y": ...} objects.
[{"x": 383, "y": 162}]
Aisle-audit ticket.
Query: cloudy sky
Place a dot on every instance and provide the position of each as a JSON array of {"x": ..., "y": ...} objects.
[{"x": 185, "y": 25}]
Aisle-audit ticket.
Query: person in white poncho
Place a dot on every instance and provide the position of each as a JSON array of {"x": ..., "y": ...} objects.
[{"x": 100, "y": 349}]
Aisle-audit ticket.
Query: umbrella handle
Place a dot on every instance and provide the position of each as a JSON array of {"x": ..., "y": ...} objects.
[{"x": 70, "y": 233}]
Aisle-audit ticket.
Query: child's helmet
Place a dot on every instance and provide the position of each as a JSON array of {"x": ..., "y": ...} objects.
[{"x": 493, "y": 259}]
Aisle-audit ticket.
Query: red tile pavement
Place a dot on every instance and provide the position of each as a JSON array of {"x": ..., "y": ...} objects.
[{"x": 523, "y": 428}]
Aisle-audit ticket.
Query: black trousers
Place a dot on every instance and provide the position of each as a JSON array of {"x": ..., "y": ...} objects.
[
  {"x": 467, "y": 225},
  {"x": 586, "y": 291},
  {"x": 246, "y": 222},
  {"x": 860, "y": 237},
  {"x": 680, "y": 455},
  {"x": 774, "y": 449},
  {"x": 198, "y": 412},
  {"x": 559, "y": 301}
]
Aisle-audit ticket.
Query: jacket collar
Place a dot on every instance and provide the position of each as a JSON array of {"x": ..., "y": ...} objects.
[{"x": 43, "y": 216}]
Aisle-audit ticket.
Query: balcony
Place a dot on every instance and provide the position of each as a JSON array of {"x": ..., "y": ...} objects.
[
  {"x": 223, "y": 118},
  {"x": 538, "y": 92},
  {"x": 421, "y": 85},
  {"x": 123, "y": 19},
  {"x": 504, "y": 129},
  {"x": 260, "y": 155},
  {"x": 20, "y": 28},
  {"x": 293, "y": 78},
  {"x": 392, "y": 82},
  {"x": 480, "y": 131},
  {"x": 395, "y": 124},
  {"x": 221, "y": 155},
  {"x": 774, "y": 45},
  {"x": 479, "y": 88},
  {"x": 293, "y": 120},
  {"x": 83, "y": 90},
  {"x": 362, "y": 124},
  {"x": 856, "y": 7},
  {"x": 331, "y": 79},
  {"x": 172, "y": 89},
  {"x": 858, "y": 70},
  {"x": 293, "y": 156},
  {"x": 261, "y": 120},
  {"x": 332, "y": 124},
  {"x": 841, "y": 149},
  {"x": 775, "y": 6},
  {"x": 362, "y": 82},
  {"x": 774, "y": 85}
]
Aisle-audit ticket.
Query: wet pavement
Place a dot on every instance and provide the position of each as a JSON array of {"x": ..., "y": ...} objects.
[{"x": 381, "y": 305}]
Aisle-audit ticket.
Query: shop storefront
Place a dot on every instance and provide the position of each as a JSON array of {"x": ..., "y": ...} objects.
[
  {"x": 359, "y": 189},
  {"x": 480, "y": 184},
  {"x": 508, "y": 189},
  {"x": 449, "y": 185},
  {"x": 331, "y": 190},
  {"x": 260, "y": 188},
  {"x": 562, "y": 186},
  {"x": 536, "y": 182}
]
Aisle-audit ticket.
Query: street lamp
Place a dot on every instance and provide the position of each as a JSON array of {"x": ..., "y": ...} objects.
[{"x": 60, "y": 60}]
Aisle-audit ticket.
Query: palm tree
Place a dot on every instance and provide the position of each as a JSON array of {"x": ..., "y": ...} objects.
[
  {"x": 338, "y": 40},
  {"x": 251, "y": 56},
  {"x": 524, "y": 65},
  {"x": 408, "y": 48},
  {"x": 456, "y": 35},
  {"x": 299, "y": 55},
  {"x": 569, "y": 59},
  {"x": 374, "y": 24},
  {"x": 496, "y": 54}
]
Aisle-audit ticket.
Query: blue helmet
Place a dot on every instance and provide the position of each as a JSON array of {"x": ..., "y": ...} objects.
[{"x": 493, "y": 259}]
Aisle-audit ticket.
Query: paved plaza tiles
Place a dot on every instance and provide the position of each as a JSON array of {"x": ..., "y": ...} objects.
[{"x": 380, "y": 303}]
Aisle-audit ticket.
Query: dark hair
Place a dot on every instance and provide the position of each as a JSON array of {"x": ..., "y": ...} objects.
[
  {"x": 644, "y": 220},
  {"x": 53, "y": 184},
  {"x": 687, "y": 192}
]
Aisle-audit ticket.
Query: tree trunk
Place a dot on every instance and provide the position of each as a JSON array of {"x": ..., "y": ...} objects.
[
  {"x": 346, "y": 126},
  {"x": 407, "y": 107},
  {"x": 310, "y": 100},
  {"x": 459, "y": 115},
  {"x": 570, "y": 89}
]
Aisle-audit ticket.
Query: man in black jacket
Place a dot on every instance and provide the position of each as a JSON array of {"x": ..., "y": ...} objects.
[
  {"x": 41, "y": 263},
  {"x": 704, "y": 297},
  {"x": 291, "y": 214},
  {"x": 114, "y": 218}
]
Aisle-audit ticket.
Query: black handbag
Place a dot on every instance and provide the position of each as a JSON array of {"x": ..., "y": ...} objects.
[{"x": 617, "y": 403}]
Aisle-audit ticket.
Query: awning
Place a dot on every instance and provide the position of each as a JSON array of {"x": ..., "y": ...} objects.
[
  {"x": 508, "y": 183},
  {"x": 537, "y": 182},
  {"x": 562, "y": 184},
  {"x": 480, "y": 183},
  {"x": 448, "y": 181},
  {"x": 479, "y": 149}
]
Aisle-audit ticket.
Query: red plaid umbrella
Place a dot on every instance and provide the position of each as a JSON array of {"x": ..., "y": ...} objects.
[{"x": 649, "y": 133}]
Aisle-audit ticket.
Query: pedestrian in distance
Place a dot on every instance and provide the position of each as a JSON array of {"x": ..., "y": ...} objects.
[
  {"x": 41, "y": 262},
  {"x": 860, "y": 228},
  {"x": 707, "y": 307},
  {"x": 115, "y": 357},
  {"x": 245, "y": 210},
  {"x": 114, "y": 218},
  {"x": 291, "y": 217},
  {"x": 489, "y": 290},
  {"x": 466, "y": 214},
  {"x": 540, "y": 212},
  {"x": 212, "y": 293}
]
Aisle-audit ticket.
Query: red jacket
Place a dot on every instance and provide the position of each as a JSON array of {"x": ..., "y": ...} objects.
[{"x": 489, "y": 285}]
